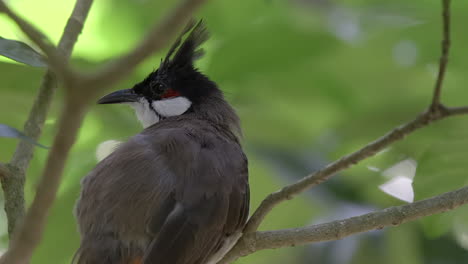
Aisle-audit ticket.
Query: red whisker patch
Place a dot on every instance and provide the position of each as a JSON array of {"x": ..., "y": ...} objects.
[{"x": 170, "y": 93}]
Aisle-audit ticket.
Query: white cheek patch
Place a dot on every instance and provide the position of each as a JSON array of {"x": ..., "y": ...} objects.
[
  {"x": 144, "y": 113},
  {"x": 164, "y": 108},
  {"x": 172, "y": 107}
]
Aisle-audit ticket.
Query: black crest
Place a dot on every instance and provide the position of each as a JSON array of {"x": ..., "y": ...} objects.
[
  {"x": 188, "y": 51},
  {"x": 177, "y": 72}
]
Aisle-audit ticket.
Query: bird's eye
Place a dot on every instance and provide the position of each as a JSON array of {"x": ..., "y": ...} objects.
[{"x": 157, "y": 87}]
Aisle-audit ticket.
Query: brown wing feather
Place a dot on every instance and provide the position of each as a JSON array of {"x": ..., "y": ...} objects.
[
  {"x": 211, "y": 200},
  {"x": 181, "y": 189}
]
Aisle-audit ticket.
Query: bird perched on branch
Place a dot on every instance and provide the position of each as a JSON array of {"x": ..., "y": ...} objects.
[{"x": 176, "y": 193}]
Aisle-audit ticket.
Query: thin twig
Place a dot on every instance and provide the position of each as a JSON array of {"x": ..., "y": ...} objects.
[
  {"x": 457, "y": 110},
  {"x": 339, "y": 229},
  {"x": 74, "y": 27},
  {"x": 252, "y": 241},
  {"x": 29, "y": 235},
  {"x": 154, "y": 41},
  {"x": 343, "y": 163},
  {"x": 445, "y": 54},
  {"x": 14, "y": 194},
  {"x": 13, "y": 187},
  {"x": 54, "y": 59},
  {"x": 436, "y": 112}
]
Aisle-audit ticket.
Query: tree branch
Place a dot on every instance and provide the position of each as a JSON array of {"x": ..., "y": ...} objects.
[
  {"x": 457, "y": 110},
  {"x": 3, "y": 170},
  {"x": 445, "y": 53},
  {"x": 155, "y": 40},
  {"x": 288, "y": 192},
  {"x": 339, "y": 229},
  {"x": 14, "y": 185},
  {"x": 252, "y": 241},
  {"x": 434, "y": 113},
  {"x": 54, "y": 59},
  {"x": 29, "y": 235}
]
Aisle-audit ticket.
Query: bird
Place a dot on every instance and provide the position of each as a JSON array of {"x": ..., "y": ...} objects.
[{"x": 178, "y": 191}]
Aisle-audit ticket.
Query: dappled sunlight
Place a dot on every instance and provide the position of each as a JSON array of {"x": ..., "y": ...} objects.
[{"x": 90, "y": 130}]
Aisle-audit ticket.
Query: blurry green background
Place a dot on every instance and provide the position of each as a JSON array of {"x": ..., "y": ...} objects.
[{"x": 312, "y": 80}]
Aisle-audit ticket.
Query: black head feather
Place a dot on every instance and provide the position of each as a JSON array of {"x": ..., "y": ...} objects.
[
  {"x": 188, "y": 51},
  {"x": 177, "y": 70}
]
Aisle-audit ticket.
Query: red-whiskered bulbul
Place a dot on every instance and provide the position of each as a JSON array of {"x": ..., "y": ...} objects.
[{"x": 178, "y": 192}]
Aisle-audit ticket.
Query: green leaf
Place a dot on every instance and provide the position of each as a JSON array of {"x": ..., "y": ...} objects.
[
  {"x": 10, "y": 132},
  {"x": 21, "y": 52}
]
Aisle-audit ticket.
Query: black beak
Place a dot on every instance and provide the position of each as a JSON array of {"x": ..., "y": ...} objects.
[{"x": 122, "y": 96}]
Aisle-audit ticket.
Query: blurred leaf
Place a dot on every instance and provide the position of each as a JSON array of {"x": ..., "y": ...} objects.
[
  {"x": 435, "y": 226},
  {"x": 10, "y": 132},
  {"x": 295, "y": 83},
  {"x": 21, "y": 52},
  {"x": 442, "y": 165},
  {"x": 403, "y": 245}
]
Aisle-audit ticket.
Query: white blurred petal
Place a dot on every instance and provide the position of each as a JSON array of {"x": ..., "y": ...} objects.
[
  {"x": 462, "y": 238},
  {"x": 106, "y": 148},
  {"x": 399, "y": 187},
  {"x": 372, "y": 168},
  {"x": 344, "y": 24},
  {"x": 405, "y": 168},
  {"x": 383, "y": 151},
  {"x": 460, "y": 229}
]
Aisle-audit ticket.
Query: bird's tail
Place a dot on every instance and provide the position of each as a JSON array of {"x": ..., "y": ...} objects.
[{"x": 104, "y": 251}]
